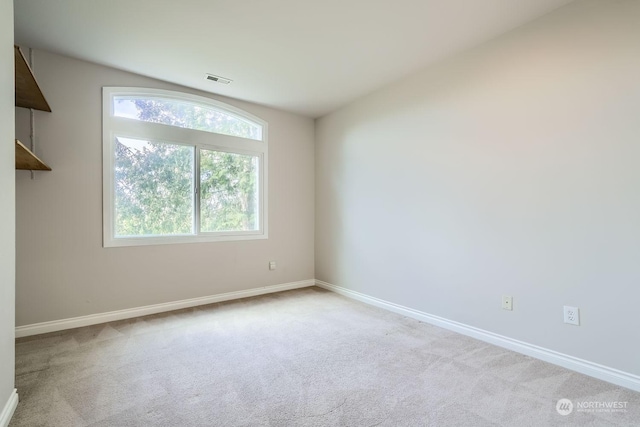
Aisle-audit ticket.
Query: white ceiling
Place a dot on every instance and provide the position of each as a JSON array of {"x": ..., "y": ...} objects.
[{"x": 309, "y": 57}]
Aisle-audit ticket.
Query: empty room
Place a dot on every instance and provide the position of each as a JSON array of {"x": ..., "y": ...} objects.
[{"x": 338, "y": 213}]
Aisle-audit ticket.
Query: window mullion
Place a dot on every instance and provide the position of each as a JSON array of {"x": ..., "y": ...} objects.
[{"x": 196, "y": 190}]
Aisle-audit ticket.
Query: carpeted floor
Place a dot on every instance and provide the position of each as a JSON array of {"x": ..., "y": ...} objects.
[{"x": 300, "y": 358}]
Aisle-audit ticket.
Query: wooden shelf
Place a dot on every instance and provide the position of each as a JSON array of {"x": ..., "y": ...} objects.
[
  {"x": 28, "y": 93},
  {"x": 26, "y": 160}
]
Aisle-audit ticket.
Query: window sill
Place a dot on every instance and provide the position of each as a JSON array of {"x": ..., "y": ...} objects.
[{"x": 172, "y": 240}]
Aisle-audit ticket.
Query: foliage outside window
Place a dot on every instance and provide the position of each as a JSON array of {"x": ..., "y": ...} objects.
[{"x": 180, "y": 168}]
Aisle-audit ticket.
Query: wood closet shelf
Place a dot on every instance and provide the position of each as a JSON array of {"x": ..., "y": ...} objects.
[
  {"x": 28, "y": 93},
  {"x": 26, "y": 160}
]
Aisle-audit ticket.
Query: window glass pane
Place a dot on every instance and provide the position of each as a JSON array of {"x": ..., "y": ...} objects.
[
  {"x": 185, "y": 114},
  {"x": 153, "y": 188},
  {"x": 228, "y": 191}
]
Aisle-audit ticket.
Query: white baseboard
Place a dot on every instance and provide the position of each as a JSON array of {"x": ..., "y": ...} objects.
[
  {"x": 93, "y": 319},
  {"x": 595, "y": 370},
  {"x": 9, "y": 409}
]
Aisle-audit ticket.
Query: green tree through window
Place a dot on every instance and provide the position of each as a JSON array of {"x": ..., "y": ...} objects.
[
  {"x": 228, "y": 191},
  {"x": 154, "y": 188}
]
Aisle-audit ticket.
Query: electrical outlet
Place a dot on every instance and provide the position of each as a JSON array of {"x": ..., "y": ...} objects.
[
  {"x": 507, "y": 302},
  {"x": 572, "y": 315},
  {"x": 272, "y": 265}
]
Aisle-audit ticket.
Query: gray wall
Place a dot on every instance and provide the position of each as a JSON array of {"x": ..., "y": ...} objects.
[
  {"x": 511, "y": 169},
  {"x": 7, "y": 204},
  {"x": 62, "y": 269}
]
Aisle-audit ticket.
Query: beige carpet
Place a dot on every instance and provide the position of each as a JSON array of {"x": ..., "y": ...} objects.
[{"x": 299, "y": 358}]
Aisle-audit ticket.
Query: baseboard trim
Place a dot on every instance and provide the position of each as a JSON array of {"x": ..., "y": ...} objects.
[
  {"x": 93, "y": 319},
  {"x": 9, "y": 409},
  {"x": 586, "y": 367}
]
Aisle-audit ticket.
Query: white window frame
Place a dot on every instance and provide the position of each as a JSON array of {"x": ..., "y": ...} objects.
[{"x": 113, "y": 127}]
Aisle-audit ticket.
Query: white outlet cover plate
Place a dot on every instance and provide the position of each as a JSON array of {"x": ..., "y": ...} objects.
[
  {"x": 572, "y": 315},
  {"x": 507, "y": 302}
]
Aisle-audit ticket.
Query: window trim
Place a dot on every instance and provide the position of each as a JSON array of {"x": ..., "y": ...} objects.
[{"x": 113, "y": 127}]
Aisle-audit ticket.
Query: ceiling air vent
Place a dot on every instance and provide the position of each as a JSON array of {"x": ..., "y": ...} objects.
[{"x": 218, "y": 79}]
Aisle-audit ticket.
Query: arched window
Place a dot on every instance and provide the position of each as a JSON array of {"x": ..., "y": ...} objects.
[{"x": 181, "y": 168}]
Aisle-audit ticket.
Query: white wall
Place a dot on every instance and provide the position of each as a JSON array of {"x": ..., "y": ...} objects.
[
  {"x": 62, "y": 269},
  {"x": 512, "y": 169},
  {"x": 7, "y": 204}
]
